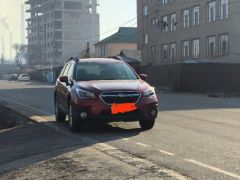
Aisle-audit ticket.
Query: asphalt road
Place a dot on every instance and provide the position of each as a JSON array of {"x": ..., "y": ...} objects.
[{"x": 195, "y": 136}]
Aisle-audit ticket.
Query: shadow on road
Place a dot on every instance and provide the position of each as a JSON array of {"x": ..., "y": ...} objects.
[{"x": 35, "y": 142}]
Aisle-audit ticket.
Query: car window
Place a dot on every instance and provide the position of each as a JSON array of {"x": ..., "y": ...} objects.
[
  {"x": 62, "y": 72},
  {"x": 104, "y": 71},
  {"x": 70, "y": 71},
  {"x": 66, "y": 70}
]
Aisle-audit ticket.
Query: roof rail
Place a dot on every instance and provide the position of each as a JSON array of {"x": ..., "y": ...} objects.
[
  {"x": 116, "y": 57},
  {"x": 76, "y": 59}
]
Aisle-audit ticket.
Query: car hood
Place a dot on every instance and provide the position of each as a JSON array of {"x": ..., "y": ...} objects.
[{"x": 115, "y": 85}]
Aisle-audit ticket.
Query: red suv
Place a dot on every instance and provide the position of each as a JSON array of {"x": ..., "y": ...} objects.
[{"x": 103, "y": 90}]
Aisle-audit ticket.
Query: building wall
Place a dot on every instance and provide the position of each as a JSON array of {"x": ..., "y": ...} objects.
[
  {"x": 152, "y": 52},
  {"x": 113, "y": 49},
  {"x": 58, "y": 30}
]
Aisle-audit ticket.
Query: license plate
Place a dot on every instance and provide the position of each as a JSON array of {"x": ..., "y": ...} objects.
[{"x": 123, "y": 108}]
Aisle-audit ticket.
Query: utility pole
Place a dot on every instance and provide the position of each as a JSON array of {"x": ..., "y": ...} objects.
[
  {"x": 3, "y": 51},
  {"x": 10, "y": 42},
  {"x": 2, "y": 60}
]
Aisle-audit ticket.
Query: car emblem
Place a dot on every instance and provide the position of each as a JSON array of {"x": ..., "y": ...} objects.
[{"x": 121, "y": 95}]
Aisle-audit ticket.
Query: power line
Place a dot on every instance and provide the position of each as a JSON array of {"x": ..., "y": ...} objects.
[{"x": 230, "y": 18}]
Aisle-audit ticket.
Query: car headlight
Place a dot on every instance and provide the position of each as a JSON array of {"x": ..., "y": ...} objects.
[
  {"x": 149, "y": 93},
  {"x": 85, "y": 94}
]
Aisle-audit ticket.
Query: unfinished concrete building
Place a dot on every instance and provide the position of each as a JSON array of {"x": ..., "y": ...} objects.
[{"x": 59, "y": 29}]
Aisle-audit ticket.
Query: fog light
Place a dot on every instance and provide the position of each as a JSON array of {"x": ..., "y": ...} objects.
[
  {"x": 154, "y": 112},
  {"x": 83, "y": 115}
]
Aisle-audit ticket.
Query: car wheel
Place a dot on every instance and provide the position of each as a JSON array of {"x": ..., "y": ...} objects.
[
  {"x": 74, "y": 123},
  {"x": 60, "y": 116},
  {"x": 147, "y": 124}
]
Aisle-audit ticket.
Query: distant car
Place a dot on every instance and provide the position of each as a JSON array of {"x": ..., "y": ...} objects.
[
  {"x": 23, "y": 77},
  {"x": 13, "y": 77},
  {"x": 103, "y": 90}
]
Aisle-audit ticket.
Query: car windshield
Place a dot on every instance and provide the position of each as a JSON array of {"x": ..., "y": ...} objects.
[{"x": 104, "y": 71}]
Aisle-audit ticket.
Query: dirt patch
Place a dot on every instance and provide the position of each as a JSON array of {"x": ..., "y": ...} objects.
[{"x": 10, "y": 119}]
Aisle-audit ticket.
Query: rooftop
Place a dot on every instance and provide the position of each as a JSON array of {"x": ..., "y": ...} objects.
[{"x": 124, "y": 34}]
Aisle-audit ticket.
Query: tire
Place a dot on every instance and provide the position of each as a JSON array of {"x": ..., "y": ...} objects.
[
  {"x": 60, "y": 116},
  {"x": 147, "y": 124},
  {"x": 74, "y": 120}
]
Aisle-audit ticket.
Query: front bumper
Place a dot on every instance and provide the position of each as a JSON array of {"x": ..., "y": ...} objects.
[{"x": 97, "y": 110}]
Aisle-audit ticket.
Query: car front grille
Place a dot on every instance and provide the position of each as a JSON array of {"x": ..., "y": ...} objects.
[{"x": 120, "y": 97}]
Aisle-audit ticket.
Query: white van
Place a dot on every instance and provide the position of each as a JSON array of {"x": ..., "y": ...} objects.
[{"x": 23, "y": 77}]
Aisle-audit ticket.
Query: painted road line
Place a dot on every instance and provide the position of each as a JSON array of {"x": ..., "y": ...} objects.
[
  {"x": 141, "y": 144},
  {"x": 213, "y": 168},
  {"x": 166, "y": 152},
  {"x": 126, "y": 139}
]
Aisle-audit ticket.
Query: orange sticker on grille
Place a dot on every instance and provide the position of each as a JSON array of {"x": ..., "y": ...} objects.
[{"x": 123, "y": 108}]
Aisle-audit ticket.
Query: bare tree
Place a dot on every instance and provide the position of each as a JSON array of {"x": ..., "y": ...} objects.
[{"x": 21, "y": 53}]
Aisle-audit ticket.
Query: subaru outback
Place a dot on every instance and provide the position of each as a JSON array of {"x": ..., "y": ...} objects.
[{"x": 103, "y": 90}]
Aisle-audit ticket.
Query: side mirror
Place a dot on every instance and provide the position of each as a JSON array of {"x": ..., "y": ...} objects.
[
  {"x": 63, "y": 79},
  {"x": 143, "y": 77}
]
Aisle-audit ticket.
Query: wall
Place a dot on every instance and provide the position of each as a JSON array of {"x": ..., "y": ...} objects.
[{"x": 200, "y": 78}]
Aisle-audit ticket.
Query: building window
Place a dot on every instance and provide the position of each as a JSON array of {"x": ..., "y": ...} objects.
[
  {"x": 58, "y": 35},
  {"x": 211, "y": 46},
  {"x": 145, "y": 38},
  {"x": 185, "y": 49},
  {"x": 195, "y": 15},
  {"x": 57, "y": 14},
  {"x": 165, "y": 52},
  {"x": 165, "y": 24},
  {"x": 153, "y": 48},
  {"x": 223, "y": 12},
  {"x": 73, "y": 5},
  {"x": 186, "y": 18},
  {"x": 57, "y": 24},
  {"x": 173, "y": 51},
  {"x": 58, "y": 5},
  {"x": 164, "y": 1},
  {"x": 145, "y": 10},
  {"x": 195, "y": 48},
  {"x": 173, "y": 26},
  {"x": 154, "y": 21},
  {"x": 212, "y": 11},
  {"x": 223, "y": 45}
]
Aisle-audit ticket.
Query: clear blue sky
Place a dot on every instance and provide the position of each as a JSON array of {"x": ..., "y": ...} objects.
[{"x": 112, "y": 14}]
